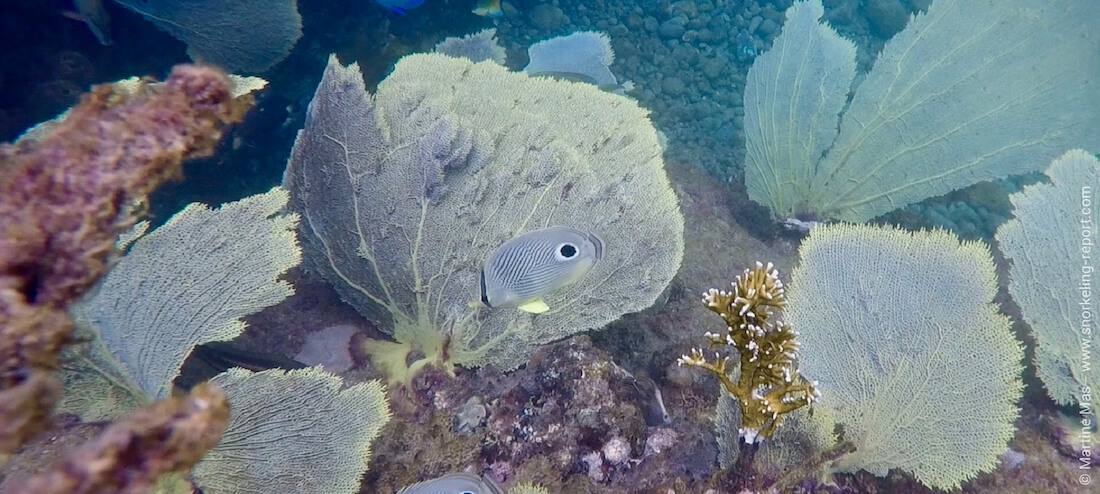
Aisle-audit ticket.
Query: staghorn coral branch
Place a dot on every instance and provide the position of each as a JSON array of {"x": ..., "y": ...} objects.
[{"x": 62, "y": 201}]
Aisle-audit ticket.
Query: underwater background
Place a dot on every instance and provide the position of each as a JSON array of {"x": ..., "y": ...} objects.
[{"x": 606, "y": 401}]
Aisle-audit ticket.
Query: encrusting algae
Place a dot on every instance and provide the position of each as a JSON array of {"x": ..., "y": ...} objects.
[{"x": 768, "y": 385}]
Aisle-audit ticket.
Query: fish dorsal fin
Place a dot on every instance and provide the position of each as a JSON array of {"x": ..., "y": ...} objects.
[{"x": 536, "y": 306}]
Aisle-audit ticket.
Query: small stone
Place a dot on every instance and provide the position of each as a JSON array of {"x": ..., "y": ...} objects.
[
  {"x": 767, "y": 28},
  {"x": 660, "y": 440},
  {"x": 329, "y": 348},
  {"x": 672, "y": 28},
  {"x": 672, "y": 86},
  {"x": 686, "y": 54},
  {"x": 755, "y": 23},
  {"x": 712, "y": 69},
  {"x": 886, "y": 17},
  {"x": 616, "y": 451},
  {"x": 546, "y": 17},
  {"x": 470, "y": 415},
  {"x": 596, "y": 469}
]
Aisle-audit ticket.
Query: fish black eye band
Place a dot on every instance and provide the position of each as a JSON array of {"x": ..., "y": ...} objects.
[{"x": 484, "y": 294}]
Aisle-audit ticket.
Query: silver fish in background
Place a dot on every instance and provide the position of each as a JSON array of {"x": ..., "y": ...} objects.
[
  {"x": 454, "y": 483},
  {"x": 524, "y": 269},
  {"x": 92, "y": 13}
]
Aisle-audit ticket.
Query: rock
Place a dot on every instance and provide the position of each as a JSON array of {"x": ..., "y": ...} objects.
[
  {"x": 329, "y": 348},
  {"x": 616, "y": 451},
  {"x": 570, "y": 399},
  {"x": 755, "y": 23},
  {"x": 470, "y": 415},
  {"x": 672, "y": 28},
  {"x": 767, "y": 28},
  {"x": 886, "y": 17},
  {"x": 547, "y": 17},
  {"x": 712, "y": 68},
  {"x": 686, "y": 54},
  {"x": 686, "y": 7},
  {"x": 672, "y": 86}
]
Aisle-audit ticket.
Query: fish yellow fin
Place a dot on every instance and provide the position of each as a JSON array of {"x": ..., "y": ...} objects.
[{"x": 536, "y": 306}]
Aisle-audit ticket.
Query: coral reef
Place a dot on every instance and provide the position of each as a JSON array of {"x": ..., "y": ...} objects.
[
  {"x": 225, "y": 33},
  {"x": 43, "y": 452},
  {"x": 943, "y": 131},
  {"x": 170, "y": 435},
  {"x": 62, "y": 208},
  {"x": 483, "y": 136},
  {"x": 189, "y": 282},
  {"x": 972, "y": 213},
  {"x": 766, "y": 382},
  {"x": 576, "y": 409},
  {"x": 302, "y": 431},
  {"x": 570, "y": 424},
  {"x": 569, "y": 420},
  {"x": 478, "y": 46},
  {"x": 892, "y": 369},
  {"x": 1049, "y": 243}
]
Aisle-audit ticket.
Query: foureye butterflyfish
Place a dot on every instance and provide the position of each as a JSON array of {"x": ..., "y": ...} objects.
[
  {"x": 454, "y": 483},
  {"x": 524, "y": 269}
]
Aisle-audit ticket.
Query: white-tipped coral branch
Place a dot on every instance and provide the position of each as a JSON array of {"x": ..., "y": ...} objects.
[{"x": 768, "y": 385}]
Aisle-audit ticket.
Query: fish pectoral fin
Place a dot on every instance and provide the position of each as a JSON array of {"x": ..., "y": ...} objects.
[
  {"x": 76, "y": 16},
  {"x": 536, "y": 306}
]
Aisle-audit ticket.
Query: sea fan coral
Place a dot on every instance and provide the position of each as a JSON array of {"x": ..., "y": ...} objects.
[{"x": 404, "y": 194}]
